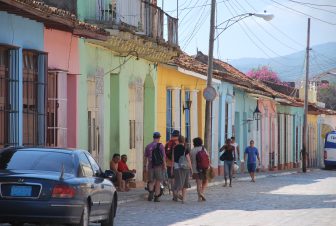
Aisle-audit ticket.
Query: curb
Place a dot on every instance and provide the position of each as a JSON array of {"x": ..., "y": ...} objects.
[{"x": 215, "y": 183}]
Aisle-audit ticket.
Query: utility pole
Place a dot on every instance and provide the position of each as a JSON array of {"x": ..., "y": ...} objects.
[
  {"x": 305, "y": 124},
  {"x": 208, "y": 105}
]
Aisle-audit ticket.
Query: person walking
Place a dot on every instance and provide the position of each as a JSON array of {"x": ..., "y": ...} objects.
[
  {"x": 200, "y": 175},
  {"x": 228, "y": 157},
  {"x": 155, "y": 166},
  {"x": 182, "y": 167},
  {"x": 237, "y": 154},
  {"x": 169, "y": 147},
  {"x": 252, "y": 155}
]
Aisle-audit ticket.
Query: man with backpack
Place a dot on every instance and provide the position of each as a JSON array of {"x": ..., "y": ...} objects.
[
  {"x": 169, "y": 150},
  {"x": 156, "y": 166}
]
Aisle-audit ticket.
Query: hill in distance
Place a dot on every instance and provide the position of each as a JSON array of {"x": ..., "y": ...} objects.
[{"x": 292, "y": 67}]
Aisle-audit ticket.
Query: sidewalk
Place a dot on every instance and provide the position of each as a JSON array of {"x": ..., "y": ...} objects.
[{"x": 141, "y": 194}]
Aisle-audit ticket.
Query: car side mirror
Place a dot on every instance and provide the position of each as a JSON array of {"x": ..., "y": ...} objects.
[{"x": 109, "y": 174}]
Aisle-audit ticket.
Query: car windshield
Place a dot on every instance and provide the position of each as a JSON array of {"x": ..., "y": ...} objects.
[{"x": 36, "y": 160}]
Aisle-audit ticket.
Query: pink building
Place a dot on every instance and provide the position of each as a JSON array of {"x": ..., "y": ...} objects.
[{"x": 63, "y": 72}]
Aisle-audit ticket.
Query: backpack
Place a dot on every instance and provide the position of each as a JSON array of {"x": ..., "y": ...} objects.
[
  {"x": 157, "y": 158},
  {"x": 202, "y": 160},
  {"x": 169, "y": 150},
  {"x": 183, "y": 162}
]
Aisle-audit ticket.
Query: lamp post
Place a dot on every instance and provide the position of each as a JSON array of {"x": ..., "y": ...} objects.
[{"x": 209, "y": 92}]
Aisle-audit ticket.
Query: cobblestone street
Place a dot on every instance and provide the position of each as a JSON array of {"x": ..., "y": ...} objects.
[{"x": 297, "y": 199}]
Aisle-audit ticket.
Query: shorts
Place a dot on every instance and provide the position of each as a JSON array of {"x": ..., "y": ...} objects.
[
  {"x": 200, "y": 176},
  {"x": 251, "y": 167},
  {"x": 127, "y": 175},
  {"x": 170, "y": 176},
  {"x": 156, "y": 173}
]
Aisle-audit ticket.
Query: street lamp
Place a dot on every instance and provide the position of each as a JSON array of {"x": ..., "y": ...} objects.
[
  {"x": 209, "y": 89},
  {"x": 228, "y": 23}
]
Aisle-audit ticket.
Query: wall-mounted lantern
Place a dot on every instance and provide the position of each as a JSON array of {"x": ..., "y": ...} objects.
[
  {"x": 257, "y": 115},
  {"x": 187, "y": 105}
]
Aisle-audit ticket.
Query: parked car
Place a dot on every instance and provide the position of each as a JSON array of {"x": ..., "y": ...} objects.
[{"x": 62, "y": 186}]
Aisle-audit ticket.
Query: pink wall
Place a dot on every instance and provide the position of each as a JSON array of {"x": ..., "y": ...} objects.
[{"x": 63, "y": 54}]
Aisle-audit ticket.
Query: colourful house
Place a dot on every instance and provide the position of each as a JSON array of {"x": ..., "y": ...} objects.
[
  {"x": 32, "y": 113},
  {"x": 117, "y": 85}
]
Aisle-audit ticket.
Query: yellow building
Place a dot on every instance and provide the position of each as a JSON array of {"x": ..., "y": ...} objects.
[{"x": 180, "y": 103}]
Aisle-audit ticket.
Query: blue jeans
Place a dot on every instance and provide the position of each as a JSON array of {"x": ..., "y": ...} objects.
[{"x": 228, "y": 169}]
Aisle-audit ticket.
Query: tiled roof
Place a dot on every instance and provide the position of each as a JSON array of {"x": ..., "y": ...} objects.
[
  {"x": 226, "y": 72},
  {"x": 52, "y": 17}
]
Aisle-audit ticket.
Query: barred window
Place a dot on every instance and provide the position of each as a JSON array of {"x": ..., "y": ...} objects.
[{"x": 34, "y": 97}]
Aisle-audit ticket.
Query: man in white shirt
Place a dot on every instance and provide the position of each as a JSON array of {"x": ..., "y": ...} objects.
[{"x": 236, "y": 150}]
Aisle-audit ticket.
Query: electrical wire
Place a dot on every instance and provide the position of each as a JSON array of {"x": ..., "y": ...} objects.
[
  {"x": 313, "y": 4},
  {"x": 201, "y": 20},
  {"x": 312, "y": 7},
  {"x": 299, "y": 12},
  {"x": 260, "y": 41},
  {"x": 278, "y": 29},
  {"x": 262, "y": 28},
  {"x": 196, "y": 6}
]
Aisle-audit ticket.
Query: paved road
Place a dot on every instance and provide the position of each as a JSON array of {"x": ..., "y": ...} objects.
[{"x": 298, "y": 199}]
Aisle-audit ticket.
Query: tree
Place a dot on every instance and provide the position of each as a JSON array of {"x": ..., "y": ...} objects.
[
  {"x": 326, "y": 93},
  {"x": 264, "y": 73}
]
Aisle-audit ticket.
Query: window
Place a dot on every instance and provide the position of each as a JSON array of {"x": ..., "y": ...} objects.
[
  {"x": 57, "y": 109},
  {"x": 169, "y": 114},
  {"x": 9, "y": 96},
  {"x": 34, "y": 100},
  {"x": 38, "y": 160},
  {"x": 95, "y": 166},
  {"x": 188, "y": 120},
  {"x": 85, "y": 169},
  {"x": 226, "y": 120}
]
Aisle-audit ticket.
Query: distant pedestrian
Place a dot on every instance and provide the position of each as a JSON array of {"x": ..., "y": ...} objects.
[
  {"x": 199, "y": 157},
  {"x": 252, "y": 155},
  {"x": 156, "y": 166},
  {"x": 228, "y": 156},
  {"x": 182, "y": 168},
  {"x": 169, "y": 153},
  {"x": 237, "y": 154}
]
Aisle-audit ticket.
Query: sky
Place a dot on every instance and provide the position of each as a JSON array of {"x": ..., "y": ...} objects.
[{"x": 253, "y": 37}]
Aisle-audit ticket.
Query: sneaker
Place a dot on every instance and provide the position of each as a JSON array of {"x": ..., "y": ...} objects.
[
  {"x": 150, "y": 196},
  {"x": 156, "y": 199}
]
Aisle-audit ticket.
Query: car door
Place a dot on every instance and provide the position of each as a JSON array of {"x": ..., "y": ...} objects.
[
  {"x": 105, "y": 187},
  {"x": 91, "y": 186}
]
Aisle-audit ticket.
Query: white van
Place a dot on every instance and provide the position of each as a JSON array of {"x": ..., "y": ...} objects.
[{"x": 330, "y": 150}]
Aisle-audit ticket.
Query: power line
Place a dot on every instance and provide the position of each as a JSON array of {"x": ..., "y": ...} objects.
[
  {"x": 251, "y": 39},
  {"x": 312, "y": 7},
  {"x": 270, "y": 34},
  {"x": 196, "y": 6},
  {"x": 313, "y": 4},
  {"x": 297, "y": 11},
  {"x": 256, "y": 37},
  {"x": 276, "y": 28}
]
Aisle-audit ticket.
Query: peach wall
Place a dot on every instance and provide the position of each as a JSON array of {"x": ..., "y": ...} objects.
[
  {"x": 62, "y": 50},
  {"x": 63, "y": 54}
]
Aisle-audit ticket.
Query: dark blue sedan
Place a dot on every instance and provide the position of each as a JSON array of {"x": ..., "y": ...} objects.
[{"x": 43, "y": 185}]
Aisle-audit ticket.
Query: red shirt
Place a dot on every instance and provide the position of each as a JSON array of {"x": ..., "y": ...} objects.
[{"x": 122, "y": 166}]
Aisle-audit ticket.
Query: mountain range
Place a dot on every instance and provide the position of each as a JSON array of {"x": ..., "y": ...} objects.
[{"x": 291, "y": 68}]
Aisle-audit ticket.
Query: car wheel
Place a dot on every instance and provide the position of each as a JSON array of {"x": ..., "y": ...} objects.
[
  {"x": 85, "y": 216},
  {"x": 110, "y": 220}
]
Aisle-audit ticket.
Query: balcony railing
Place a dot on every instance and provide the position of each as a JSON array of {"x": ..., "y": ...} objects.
[{"x": 138, "y": 15}]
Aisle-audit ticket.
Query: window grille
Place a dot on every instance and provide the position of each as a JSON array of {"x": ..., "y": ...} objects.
[
  {"x": 169, "y": 114},
  {"x": 34, "y": 97},
  {"x": 188, "y": 120}
]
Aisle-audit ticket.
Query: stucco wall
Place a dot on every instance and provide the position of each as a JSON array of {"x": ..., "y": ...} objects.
[
  {"x": 171, "y": 77},
  {"x": 63, "y": 54},
  {"x": 25, "y": 34}
]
